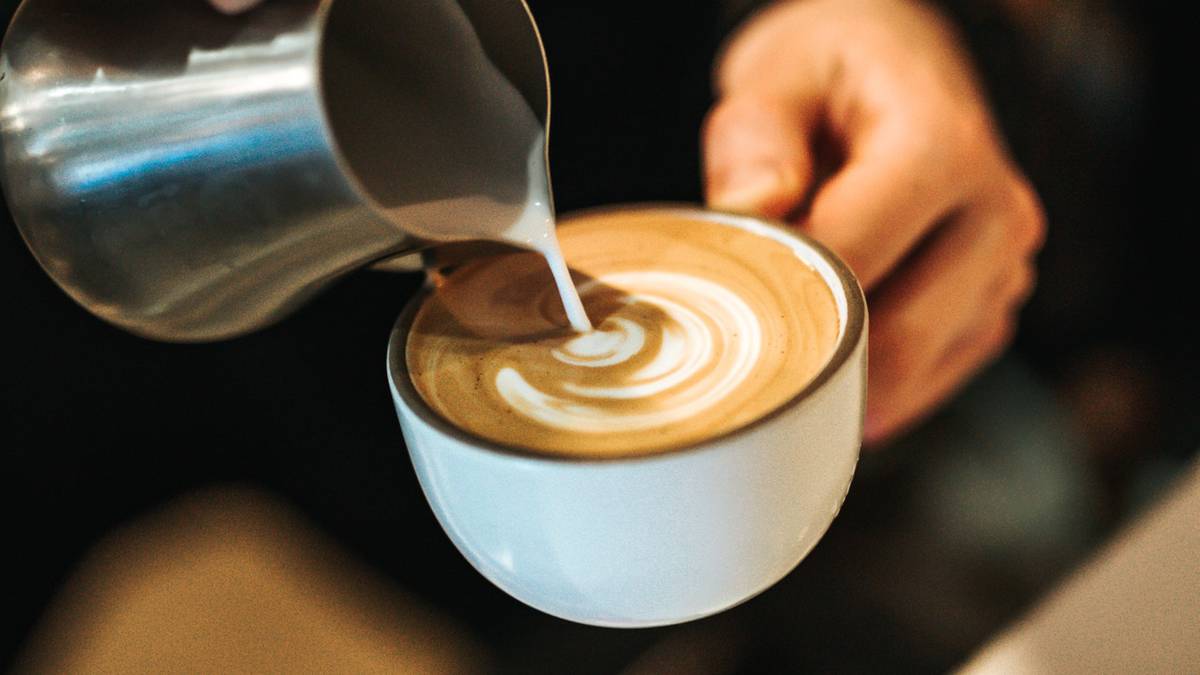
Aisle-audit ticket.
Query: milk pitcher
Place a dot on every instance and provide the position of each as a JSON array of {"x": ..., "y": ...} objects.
[{"x": 188, "y": 175}]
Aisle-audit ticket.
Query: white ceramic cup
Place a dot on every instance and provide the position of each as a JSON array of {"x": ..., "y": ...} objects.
[{"x": 654, "y": 539}]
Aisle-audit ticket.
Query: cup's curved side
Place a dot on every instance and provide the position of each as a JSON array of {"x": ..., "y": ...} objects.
[{"x": 653, "y": 540}]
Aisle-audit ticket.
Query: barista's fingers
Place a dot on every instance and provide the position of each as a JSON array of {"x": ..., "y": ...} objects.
[
  {"x": 756, "y": 154},
  {"x": 891, "y": 191},
  {"x": 234, "y": 6},
  {"x": 956, "y": 288},
  {"x": 966, "y": 356}
]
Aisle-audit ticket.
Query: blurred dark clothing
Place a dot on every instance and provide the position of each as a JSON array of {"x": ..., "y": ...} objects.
[{"x": 100, "y": 426}]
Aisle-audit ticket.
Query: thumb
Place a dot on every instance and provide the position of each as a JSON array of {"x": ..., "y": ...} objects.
[{"x": 757, "y": 158}]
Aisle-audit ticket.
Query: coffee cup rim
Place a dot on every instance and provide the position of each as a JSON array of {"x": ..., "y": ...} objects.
[{"x": 848, "y": 340}]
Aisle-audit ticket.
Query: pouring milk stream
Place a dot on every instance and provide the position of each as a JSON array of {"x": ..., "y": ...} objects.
[{"x": 190, "y": 176}]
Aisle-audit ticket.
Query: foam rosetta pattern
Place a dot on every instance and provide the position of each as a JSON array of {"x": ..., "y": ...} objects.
[
  {"x": 698, "y": 328},
  {"x": 707, "y": 342}
]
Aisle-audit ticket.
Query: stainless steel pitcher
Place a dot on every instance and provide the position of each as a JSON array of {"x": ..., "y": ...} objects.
[{"x": 188, "y": 175}]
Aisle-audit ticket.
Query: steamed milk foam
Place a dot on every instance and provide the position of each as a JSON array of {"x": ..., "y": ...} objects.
[{"x": 700, "y": 328}]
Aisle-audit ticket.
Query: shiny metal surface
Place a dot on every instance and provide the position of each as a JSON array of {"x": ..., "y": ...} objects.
[{"x": 193, "y": 176}]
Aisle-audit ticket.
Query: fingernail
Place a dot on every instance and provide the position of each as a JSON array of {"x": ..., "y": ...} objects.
[{"x": 747, "y": 189}]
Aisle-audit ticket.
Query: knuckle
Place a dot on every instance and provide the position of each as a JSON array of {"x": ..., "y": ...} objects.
[
  {"x": 923, "y": 152},
  {"x": 973, "y": 127},
  {"x": 998, "y": 338},
  {"x": 1014, "y": 287},
  {"x": 960, "y": 150},
  {"x": 1025, "y": 285},
  {"x": 1028, "y": 217}
]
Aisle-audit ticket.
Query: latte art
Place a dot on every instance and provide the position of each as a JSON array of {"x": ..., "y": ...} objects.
[
  {"x": 707, "y": 344},
  {"x": 699, "y": 328}
]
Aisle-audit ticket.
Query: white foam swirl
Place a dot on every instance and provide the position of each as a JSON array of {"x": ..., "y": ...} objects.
[{"x": 710, "y": 343}]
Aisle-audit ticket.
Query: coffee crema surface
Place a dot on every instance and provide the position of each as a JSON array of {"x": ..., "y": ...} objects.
[{"x": 700, "y": 328}]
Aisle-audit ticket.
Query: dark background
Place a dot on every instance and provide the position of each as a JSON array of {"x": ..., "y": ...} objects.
[{"x": 100, "y": 427}]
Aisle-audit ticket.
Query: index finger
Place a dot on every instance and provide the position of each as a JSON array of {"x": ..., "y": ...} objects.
[{"x": 889, "y": 193}]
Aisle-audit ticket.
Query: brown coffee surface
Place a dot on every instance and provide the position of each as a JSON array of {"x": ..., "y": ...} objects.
[{"x": 700, "y": 328}]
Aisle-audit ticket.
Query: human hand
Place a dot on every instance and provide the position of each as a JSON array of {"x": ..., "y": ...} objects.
[
  {"x": 861, "y": 122},
  {"x": 233, "y": 6}
]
